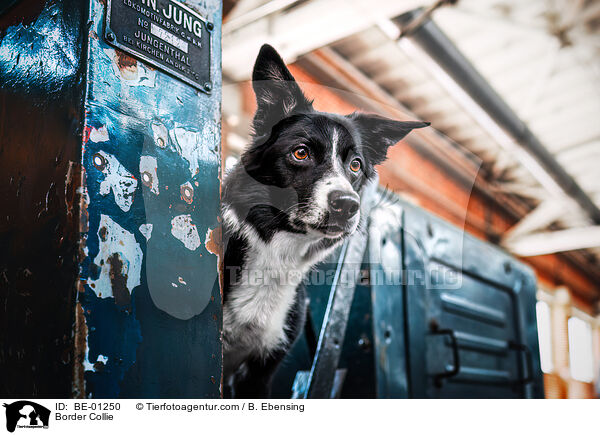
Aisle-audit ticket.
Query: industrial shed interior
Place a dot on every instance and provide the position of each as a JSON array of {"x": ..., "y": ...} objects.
[
  {"x": 469, "y": 271},
  {"x": 514, "y": 151}
]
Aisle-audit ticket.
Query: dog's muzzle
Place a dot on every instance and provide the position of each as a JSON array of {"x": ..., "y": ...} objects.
[
  {"x": 342, "y": 212},
  {"x": 342, "y": 205}
]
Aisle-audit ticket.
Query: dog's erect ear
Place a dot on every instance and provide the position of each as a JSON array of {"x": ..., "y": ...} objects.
[
  {"x": 277, "y": 93},
  {"x": 379, "y": 133}
]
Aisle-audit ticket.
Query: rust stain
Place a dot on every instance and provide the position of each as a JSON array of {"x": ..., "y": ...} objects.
[
  {"x": 187, "y": 194},
  {"x": 86, "y": 135},
  {"x": 79, "y": 197},
  {"x": 214, "y": 241},
  {"x": 127, "y": 64},
  {"x": 214, "y": 245},
  {"x": 102, "y": 233},
  {"x": 118, "y": 280},
  {"x": 80, "y": 343},
  {"x": 147, "y": 176}
]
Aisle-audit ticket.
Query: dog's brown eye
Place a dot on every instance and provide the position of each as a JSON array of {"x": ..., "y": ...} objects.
[
  {"x": 355, "y": 165},
  {"x": 300, "y": 153}
]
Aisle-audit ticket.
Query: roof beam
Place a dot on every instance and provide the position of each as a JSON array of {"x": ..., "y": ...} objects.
[
  {"x": 543, "y": 215},
  {"x": 555, "y": 241},
  {"x": 580, "y": 151},
  {"x": 302, "y": 29},
  {"x": 565, "y": 139},
  {"x": 523, "y": 190}
]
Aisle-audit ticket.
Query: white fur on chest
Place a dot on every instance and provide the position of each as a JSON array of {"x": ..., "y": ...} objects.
[{"x": 258, "y": 303}]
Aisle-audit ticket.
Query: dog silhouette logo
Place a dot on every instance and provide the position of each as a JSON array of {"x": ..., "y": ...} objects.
[{"x": 26, "y": 414}]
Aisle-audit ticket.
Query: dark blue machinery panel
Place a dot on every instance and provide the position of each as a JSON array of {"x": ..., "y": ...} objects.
[
  {"x": 439, "y": 314},
  {"x": 472, "y": 328},
  {"x": 110, "y": 176}
]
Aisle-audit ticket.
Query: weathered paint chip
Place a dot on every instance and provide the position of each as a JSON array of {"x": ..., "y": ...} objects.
[
  {"x": 185, "y": 231},
  {"x": 160, "y": 134},
  {"x": 130, "y": 71},
  {"x": 98, "y": 135},
  {"x": 148, "y": 173},
  {"x": 116, "y": 177},
  {"x": 213, "y": 240},
  {"x": 146, "y": 230},
  {"x": 187, "y": 144},
  {"x": 119, "y": 260},
  {"x": 88, "y": 366}
]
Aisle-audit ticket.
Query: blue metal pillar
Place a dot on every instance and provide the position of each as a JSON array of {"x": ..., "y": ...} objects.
[{"x": 137, "y": 185}]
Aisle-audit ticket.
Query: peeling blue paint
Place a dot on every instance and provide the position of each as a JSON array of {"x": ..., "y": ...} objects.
[{"x": 159, "y": 183}]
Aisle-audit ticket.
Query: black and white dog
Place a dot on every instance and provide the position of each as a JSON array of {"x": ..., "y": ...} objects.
[{"x": 292, "y": 198}]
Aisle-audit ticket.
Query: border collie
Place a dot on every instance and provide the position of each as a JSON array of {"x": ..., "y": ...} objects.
[{"x": 293, "y": 197}]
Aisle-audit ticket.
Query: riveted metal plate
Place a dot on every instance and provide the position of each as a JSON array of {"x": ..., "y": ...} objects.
[{"x": 164, "y": 33}]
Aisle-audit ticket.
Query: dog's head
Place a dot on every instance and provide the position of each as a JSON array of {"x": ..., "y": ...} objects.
[{"x": 314, "y": 163}]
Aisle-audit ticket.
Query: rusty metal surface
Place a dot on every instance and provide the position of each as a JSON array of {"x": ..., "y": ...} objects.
[
  {"x": 41, "y": 89},
  {"x": 150, "y": 292},
  {"x": 164, "y": 34},
  {"x": 110, "y": 170}
]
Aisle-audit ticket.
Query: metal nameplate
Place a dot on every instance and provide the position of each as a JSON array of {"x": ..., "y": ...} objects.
[{"x": 164, "y": 33}]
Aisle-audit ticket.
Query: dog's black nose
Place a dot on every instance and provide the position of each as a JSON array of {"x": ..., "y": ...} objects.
[{"x": 343, "y": 205}]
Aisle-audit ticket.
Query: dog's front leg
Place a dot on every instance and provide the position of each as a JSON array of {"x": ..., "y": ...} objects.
[{"x": 255, "y": 383}]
